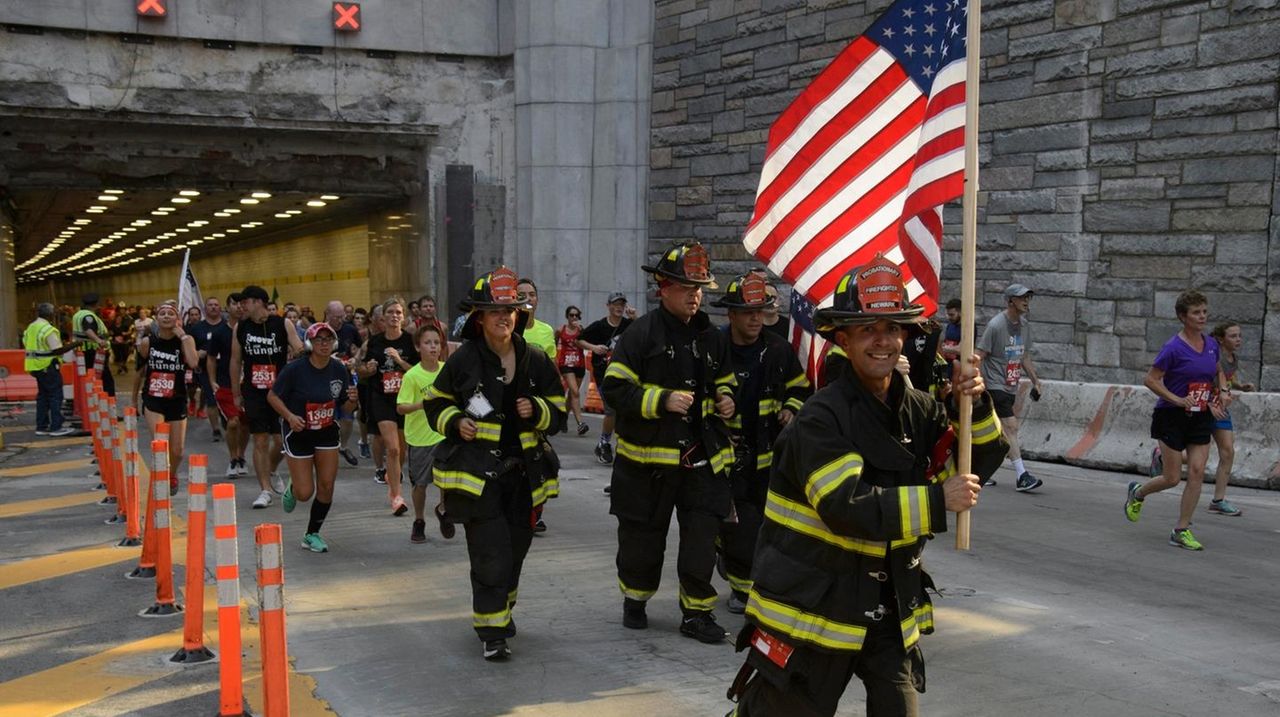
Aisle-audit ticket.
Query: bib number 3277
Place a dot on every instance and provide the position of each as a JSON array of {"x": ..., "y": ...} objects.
[{"x": 391, "y": 381}]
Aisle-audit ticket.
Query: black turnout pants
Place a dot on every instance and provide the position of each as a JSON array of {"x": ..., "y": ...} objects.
[
  {"x": 499, "y": 531},
  {"x": 643, "y": 499},
  {"x": 813, "y": 681},
  {"x": 738, "y": 540}
]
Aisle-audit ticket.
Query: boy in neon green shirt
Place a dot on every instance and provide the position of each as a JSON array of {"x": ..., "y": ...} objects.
[{"x": 418, "y": 434}]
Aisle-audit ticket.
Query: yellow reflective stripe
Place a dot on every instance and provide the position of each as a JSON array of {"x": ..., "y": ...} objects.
[
  {"x": 769, "y": 406},
  {"x": 729, "y": 379},
  {"x": 708, "y": 407},
  {"x": 800, "y": 380},
  {"x": 633, "y": 593},
  {"x": 829, "y": 477},
  {"x": 511, "y": 599},
  {"x": 651, "y": 403},
  {"x": 544, "y": 416},
  {"x": 458, "y": 480},
  {"x": 622, "y": 371},
  {"x": 920, "y": 621},
  {"x": 724, "y": 390},
  {"x": 445, "y": 417},
  {"x": 557, "y": 401},
  {"x": 738, "y": 584},
  {"x": 502, "y": 618},
  {"x": 802, "y": 519},
  {"x": 722, "y": 459},
  {"x": 794, "y": 404},
  {"x": 986, "y": 430},
  {"x": 528, "y": 440},
  {"x": 805, "y": 626},
  {"x": 550, "y": 488},
  {"x": 488, "y": 431},
  {"x": 764, "y": 460},
  {"x": 654, "y": 455},
  {"x": 735, "y": 422},
  {"x": 913, "y": 504},
  {"x": 688, "y": 602},
  {"x": 434, "y": 392}
]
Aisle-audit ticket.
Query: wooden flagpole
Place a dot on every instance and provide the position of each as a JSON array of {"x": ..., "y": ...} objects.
[{"x": 968, "y": 260}]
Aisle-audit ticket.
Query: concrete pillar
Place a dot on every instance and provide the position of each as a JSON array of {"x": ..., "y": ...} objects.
[
  {"x": 10, "y": 333},
  {"x": 583, "y": 70}
]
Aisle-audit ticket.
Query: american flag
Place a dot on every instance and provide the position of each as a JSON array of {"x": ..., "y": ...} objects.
[
  {"x": 808, "y": 345},
  {"x": 863, "y": 159}
]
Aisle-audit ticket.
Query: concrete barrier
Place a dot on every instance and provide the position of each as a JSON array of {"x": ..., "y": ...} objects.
[{"x": 1108, "y": 426}]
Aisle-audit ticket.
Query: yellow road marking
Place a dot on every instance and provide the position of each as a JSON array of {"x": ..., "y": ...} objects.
[
  {"x": 68, "y": 562},
  {"x": 56, "y": 442},
  {"x": 40, "y": 505},
  {"x": 44, "y": 468}
]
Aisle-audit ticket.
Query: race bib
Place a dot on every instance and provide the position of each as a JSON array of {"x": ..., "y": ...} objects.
[
  {"x": 950, "y": 347},
  {"x": 1012, "y": 373},
  {"x": 391, "y": 381},
  {"x": 319, "y": 415},
  {"x": 573, "y": 359},
  {"x": 262, "y": 376},
  {"x": 160, "y": 384},
  {"x": 1199, "y": 392}
]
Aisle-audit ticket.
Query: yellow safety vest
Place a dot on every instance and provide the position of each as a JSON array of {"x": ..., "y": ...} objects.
[
  {"x": 36, "y": 340},
  {"x": 78, "y": 320}
]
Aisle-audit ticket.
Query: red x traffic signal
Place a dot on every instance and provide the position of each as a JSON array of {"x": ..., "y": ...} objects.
[
  {"x": 346, "y": 16},
  {"x": 152, "y": 8}
]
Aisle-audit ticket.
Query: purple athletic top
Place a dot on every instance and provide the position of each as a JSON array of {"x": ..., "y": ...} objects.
[{"x": 1183, "y": 367}]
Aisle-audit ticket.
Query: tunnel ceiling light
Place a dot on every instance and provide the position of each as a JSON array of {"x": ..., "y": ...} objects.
[
  {"x": 217, "y": 235},
  {"x": 139, "y": 222},
  {"x": 283, "y": 215},
  {"x": 128, "y": 229},
  {"x": 293, "y": 211},
  {"x": 158, "y": 213},
  {"x": 260, "y": 195},
  {"x": 233, "y": 231},
  {"x": 113, "y": 191},
  {"x": 247, "y": 200},
  {"x": 221, "y": 214},
  {"x": 108, "y": 198},
  {"x": 180, "y": 200},
  {"x": 195, "y": 242},
  {"x": 182, "y": 230},
  {"x": 188, "y": 193},
  {"x": 329, "y": 197},
  {"x": 315, "y": 203},
  {"x": 231, "y": 211}
]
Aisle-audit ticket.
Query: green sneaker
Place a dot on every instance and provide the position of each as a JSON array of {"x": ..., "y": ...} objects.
[
  {"x": 287, "y": 501},
  {"x": 1184, "y": 539},
  {"x": 1133, "y": 504},
  {"x": 314, "y": 543}
]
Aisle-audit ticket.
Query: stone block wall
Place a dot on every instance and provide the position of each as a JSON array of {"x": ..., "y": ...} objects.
[{"x": 1128, "y": 151}]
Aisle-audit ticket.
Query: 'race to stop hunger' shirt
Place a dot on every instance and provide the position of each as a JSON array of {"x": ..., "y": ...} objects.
[{"x": 264, "y": 350}]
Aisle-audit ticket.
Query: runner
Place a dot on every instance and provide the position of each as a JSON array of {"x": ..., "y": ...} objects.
[
  {"x": 427, "y": 315},
  {"x": 348, "y": 344},
  {"x": 218, "y": 368},
  {"x": 1005, "y": 350},
  {"x": 306, "y": 395},
  {"x": 600, "y": 338},
  {"x": 495, "y": 466},
  {"x": 1188, "y": 380},
  {"x": 262, "y": 347},
  {"x": 538, "y": 333},
  {"x": 570, "y": 362},
  {"x": 1229, "y": 340},
  {"x": 203, "y": 331},
  {"x": 167, "y": 356},
  {"x": 418, "y": 434},
  {"x": 386, "y": 359}
]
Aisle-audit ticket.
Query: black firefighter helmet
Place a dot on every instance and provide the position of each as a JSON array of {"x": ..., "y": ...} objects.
[
  {"x": 686, "y": 264},
  {"x": 749, "y": 291},
  {"x": 495, "y": 290},
  {"x": 866, "y": 295}
]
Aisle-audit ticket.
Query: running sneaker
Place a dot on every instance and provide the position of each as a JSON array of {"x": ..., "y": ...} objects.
[
  {"x": 314, "y": 543},
  {"x": 263, "y": 500},
  {"x": 349, "y": 457},
  {"x": 633, "y": 614},
  {"x": 278, "y": 483},
  {"x": 41, "y": 433},
  {"x": 608, "y": 490},
  {"x": 496, "y": 650},
  {"x": 737, "y": 603},
  {"x": 1157, "y": 462},
  {"x": 232, "y": 473},
  {"x": 604, "y": 453},
  {"x": 988, "y": 483},
  {"x": 287, "y": 501},
  {"x": 380, "y": 476},
  {"x": 539, "y": 527},
  {"x": 702, "y": 626},
  {"x": 418, "y": 534},
  {"x": 64, "y": 431},
  {"x": 447, "y": 529},
  {"x": 241, "y": 468},
  {"x": 398, "y": 507},
  {"x": 1132, "y": 503},
  {"x": 1027, "y": 482},
  {"x": 583, "y": 428},
  {"x": 1184, "y": 539},
  {"x": 365, "y": 452},
  {"x": 217, "y": 436},
  {"x": 1224, "y": 507}
]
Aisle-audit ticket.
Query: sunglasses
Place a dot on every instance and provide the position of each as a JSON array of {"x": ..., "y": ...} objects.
[{"x": 575, "y": 316}]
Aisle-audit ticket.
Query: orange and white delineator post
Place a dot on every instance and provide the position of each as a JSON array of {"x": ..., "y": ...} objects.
[
  {"x": 103, "y": 432},
  {"x": 81, "y": 397},
  {"x": 95, "y": 438},
  {"x": 193, "y": 650},
  {"x": 166, "y": 605},
  {"x": 115, "y": 460},
  {"x": 147, "y": 560},
  {"x": 226, "y": 548},
  {"x": 129, "y": 489},
  {"x": 275, "y": 668}
]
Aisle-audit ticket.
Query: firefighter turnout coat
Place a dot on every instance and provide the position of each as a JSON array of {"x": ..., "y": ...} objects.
[
  {"x": 782, "y": 385},
  {"x": 854, "y": 495}
]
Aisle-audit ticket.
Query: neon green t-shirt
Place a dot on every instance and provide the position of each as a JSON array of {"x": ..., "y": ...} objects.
[
  {"x": 540, "y": 334},
  {"x": 413, "y": 388}
]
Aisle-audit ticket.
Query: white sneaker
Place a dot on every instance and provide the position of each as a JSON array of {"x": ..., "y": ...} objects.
[
  {"x": 64, "y": 431},
  {"x": 278, "y": 484},
  {"x": 241, "y": 470},
  {"x": 231, "y": 470},
  {"x": 42, "y": 433},
  {"x": 263, "y": 500}
]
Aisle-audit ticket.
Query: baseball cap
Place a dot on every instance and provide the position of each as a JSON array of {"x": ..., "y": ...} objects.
[
  {"x": 89, "y": 299},
  {"x": 255, "y": 292},
  {"x": 617, "y": 296},
  {"x": 315, "y": 329},
  {"x": 1015, "y": 290}
]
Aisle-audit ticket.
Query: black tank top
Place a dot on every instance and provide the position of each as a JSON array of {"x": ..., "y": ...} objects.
[
  {"x": 166, "y": 370},
  {"x": 264, "y": 349}
]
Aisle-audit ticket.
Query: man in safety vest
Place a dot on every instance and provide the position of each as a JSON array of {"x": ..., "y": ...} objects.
[
  {"x": 862, "y": 478},
  {"x": 671, "y": 382},
  {"x": 43, "y": 346},
  {"x": 90, "y": 331}
]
